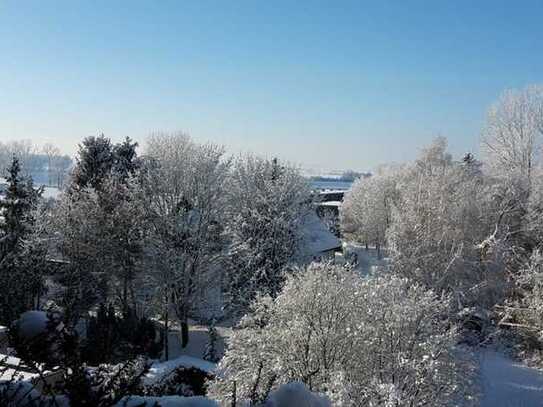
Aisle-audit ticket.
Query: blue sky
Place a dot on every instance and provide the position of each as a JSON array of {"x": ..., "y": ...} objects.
[{"x": 323, "y": 84}]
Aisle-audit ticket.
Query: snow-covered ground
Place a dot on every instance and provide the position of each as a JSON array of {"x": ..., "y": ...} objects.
[
  {"x": 198, "y": 337},
  {"x": 50, "y": 192},
  {"x": 367, "y": 260},
  {"x": 506, "y": 383}
]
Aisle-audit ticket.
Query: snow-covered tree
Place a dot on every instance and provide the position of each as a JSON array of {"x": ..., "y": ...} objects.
[
  {"x": 22, "y": 255},
  {"x": 122, "y": 234},
  {"x": 184, "y": 187},
  {"x": 52, "y": 153},
  {"x": 211, "y": 352},
  {"x": 512, "y": 141},
  {"x": 443, "y": 213},
  {"x": 93, "y": 163},
  {"x": 25, "y": 152},
  {"x": 367, "y": 209},
  {"x": 361, "y": 341},
  {"x": 513, "y": 134},
  {"x": 267, "y": 203},
  {"x": 76, "y": 233}
]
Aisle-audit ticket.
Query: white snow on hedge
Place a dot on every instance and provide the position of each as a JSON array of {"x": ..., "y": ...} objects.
[
  {"x": 167, "y": 401},
  {"x": 159, "y": 370}
]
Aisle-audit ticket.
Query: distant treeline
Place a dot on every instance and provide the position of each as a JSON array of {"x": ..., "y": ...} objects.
[
  {"x": 347, "y": 176},
  {"x": 46, "y": 164}
]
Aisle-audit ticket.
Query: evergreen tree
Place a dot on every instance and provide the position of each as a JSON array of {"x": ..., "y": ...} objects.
[
  {"x": 126, "y": 161},
  {"x": 22, "y": 256},
  {"x": 210, "y": 352},
  {"x": 95, "y": 161},
  {"x": 16, "y": 210}
]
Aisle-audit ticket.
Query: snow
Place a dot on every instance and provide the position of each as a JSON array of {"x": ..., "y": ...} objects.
[
  {"x": 10, "y": 368},
  {"x": 334, "y": 204},
  {"x": 50, "y": 192},
  {"x": 167, "y": 401},
  {"x": 506, "y": 383},
  {"x": 296, "y": 394},
  {"x": 332, "y": 191},
  {"x": 159, "y": 370},
  {"x": 367, "y": 261},
  {"x": 316, "y": 238},
  {"x": 198, "y": 339}
]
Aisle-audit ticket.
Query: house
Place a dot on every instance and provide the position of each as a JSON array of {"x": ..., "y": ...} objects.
[{"x": 328, "y": 204}]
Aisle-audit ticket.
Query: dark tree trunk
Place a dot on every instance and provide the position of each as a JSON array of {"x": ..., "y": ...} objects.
[
  {"x": 184, "y": 333},
  {"x": 166, "y": 336}
]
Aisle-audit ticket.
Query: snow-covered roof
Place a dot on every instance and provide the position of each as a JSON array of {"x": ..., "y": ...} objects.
[
  {"x": 159, "y": 370},
  {"x": 316, "y": 238},
  {"x": 336, "y": 204},
  {"x": 331, "y": 191}
]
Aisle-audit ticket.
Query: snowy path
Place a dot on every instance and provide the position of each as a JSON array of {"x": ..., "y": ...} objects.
[{"x": 506, "y": 383}]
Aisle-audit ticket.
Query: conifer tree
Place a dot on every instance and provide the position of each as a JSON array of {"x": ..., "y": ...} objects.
[{"x": 22, "y": 258}]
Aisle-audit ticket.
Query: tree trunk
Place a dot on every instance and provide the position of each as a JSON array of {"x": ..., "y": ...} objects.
[
  {"x": 125, "y": 294},
  {"x": 184, "y": 333},
  {"x": 166, "y": 336},
  {"x": 378, "y": 247}
]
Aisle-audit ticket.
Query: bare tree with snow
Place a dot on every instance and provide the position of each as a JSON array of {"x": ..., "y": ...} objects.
[{"x": 184, "y": 187}]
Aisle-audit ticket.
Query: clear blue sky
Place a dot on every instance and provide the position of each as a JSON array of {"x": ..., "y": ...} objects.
[{"x": 324, "y": 84}]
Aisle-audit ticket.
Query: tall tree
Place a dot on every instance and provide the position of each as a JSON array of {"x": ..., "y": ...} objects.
[
  {"x": 267, "y": 203},
  {"x": 52, "y": 153},
  {"x": 513, "y": 134},
  {"x": 366, "y": 212},
  {"x": 22, "y": 258},
  {"x": 185, "y": 200},
  {"x": 17, "y": 210},
  {"x": 94, "y": 162}
]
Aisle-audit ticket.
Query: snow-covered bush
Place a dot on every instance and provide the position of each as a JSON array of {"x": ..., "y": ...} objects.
[
  {"x": 524, "y": 314},
  {"x": 360, "y": 341}
]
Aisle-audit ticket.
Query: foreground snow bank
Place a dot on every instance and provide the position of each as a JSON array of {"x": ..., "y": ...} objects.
[
  {"x": 160, "y": 370},
  {"x": 506, "y": 383}
]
